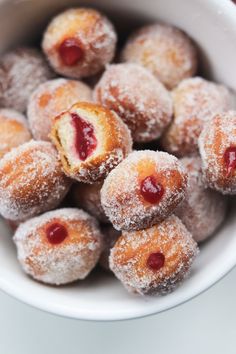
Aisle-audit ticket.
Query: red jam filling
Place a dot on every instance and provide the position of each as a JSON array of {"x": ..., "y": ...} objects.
[
  {"x": 56, "y": 233},
  {"x": 156, "y": 261},
  {"x": 85, "y": 139},
  {"x": 70, "y": 52},
  {"x": 151, "y": 190},
  {"x": 230, "y": 160}
]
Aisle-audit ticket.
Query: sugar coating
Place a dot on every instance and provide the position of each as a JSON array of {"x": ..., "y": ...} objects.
[
  {"x": 120, "y": 194},
  {"x": 218, "y": 134},
  {"x": 113, "y": 142},
  {"x": 50, "y": 99},
  {"x": 110, "y": 236},
  {"x": 195, "y": 101},
  {"x": 165, "y": 50},
  {"x": 14, "y": 130},
  {"x": 203, "y": 210},
  {"x": 21, "y": 71},
  {"x": 129, "y": 256},
  {"x": 137, "y": 97},
  {"x": 31, "y": 180},
  {"x": 63, "y": 263},
  {"x": 94, "y": 33},
  {"x": 87, "y": 197}
]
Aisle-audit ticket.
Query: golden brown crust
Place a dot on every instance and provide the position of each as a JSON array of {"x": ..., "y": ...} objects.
[
  {"x": 12, "y": 134},
  {"x": 115, "y": 143},
  {"x": 93, "y": 33},
  {"x": 128, "y": 258},
  {"x": 31, "y": 180},
  {"x": 121, "y": 197},
  {"x": 63, "y": 262},
  {"x": 218, "y": 135}
]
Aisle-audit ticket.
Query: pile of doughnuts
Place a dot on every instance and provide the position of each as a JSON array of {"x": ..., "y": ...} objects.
[{"x": 75, "y": 186}]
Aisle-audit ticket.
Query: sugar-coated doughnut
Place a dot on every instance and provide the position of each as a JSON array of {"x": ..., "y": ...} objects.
[
  {"x": 14, "y": 130},
  {"x": 195, "y": 101},
  {"x": 87, "y": 196},
  {"x": 217, "y": 145},
  {"x": 21, "y": 71},
  {"x": 60, "y": 246},
  {"x": 50, "y": 99},
  {"x": 137, "y": 97},
  {"x": 79, "y": 42},
  {"x": 91, "y": 141},
  {"x": 31, "y": 180},
  {"x": 143, "y": 190},
  {"x": 165, "y": 50},
  {"x": 110, "y": 236},
  {"x": 154, "y": 260},
  {"x": 203, "y": 210}
]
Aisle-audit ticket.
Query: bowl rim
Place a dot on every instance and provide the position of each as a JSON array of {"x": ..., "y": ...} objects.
[{"x": 54, "y": 309}]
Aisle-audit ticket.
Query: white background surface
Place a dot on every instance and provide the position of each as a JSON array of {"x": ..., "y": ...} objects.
[{"x": 205, "y": 325}]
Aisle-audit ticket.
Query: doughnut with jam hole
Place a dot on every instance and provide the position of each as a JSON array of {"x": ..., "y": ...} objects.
[
  {"x": 14, "y": 130},
  {"x": 91, "y": 141},
  {"x": 50, "y": 99},
  {"x": 79, "y": 42},
  {"x": 21, "y": 71},
  {"x": 87, "y": 197},
  {"x": 31, "y": 180},
  {"x": 217, "y": 145},
  {"x": 195, "y": 101},
  {"x": 137, "y": 97},
  {"x": 60, "y": 246},
  {"x": 154, "y": 260},
  {"x": 203, "y": 210},
  {"x": 143, "y": 190},
  {"x": 110, "y": 236},
  {"x": 164, "y": 50}
]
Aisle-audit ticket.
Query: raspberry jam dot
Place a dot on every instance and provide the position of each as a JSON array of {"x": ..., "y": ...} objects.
[
  {"x": 230, "y": 160},
  {"x": 85, "y": 140},
  {"x": 56, "y": 233},
  {"x": 156, "y": 261},
  {"x": 151, "y": 190},
  {"x": 70, "y": 52}
]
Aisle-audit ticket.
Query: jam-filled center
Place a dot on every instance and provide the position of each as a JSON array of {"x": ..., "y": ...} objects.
[
  {"x": 56, "y": 233},
  {"x": 85, "y": 139},
  {"x": 156, "y": 261},
  {"x": 230, "y": 160},
  {"x": 70, "y": 52},
  {"x": 151, "y": 190}
]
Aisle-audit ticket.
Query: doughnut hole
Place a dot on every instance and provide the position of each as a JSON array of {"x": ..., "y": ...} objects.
[{"x": 91, "y": 141}]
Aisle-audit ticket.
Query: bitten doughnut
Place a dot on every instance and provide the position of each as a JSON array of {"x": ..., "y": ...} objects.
[
  {"x": 79, "y": 42},
  {"x": 110, "y": 236},
  {"x": 217, "y": 144},
  {"x": 203, "y": 210},
  {"x": 14, "y": 130},
  {"x": 195, "y": 101},
  {"x": 50, "y": 99},
  {"x": 87, "y": 196},
  {"x": 60, "y": 246},
  {"x": 21, "y": 71},
  {"x": 154, "y": 260},
  {"x": 165, "y": 50},
  {"x": 137, "y": 97},
  {"x": 91, "y": 141},
  {"x": 31, "y": 180},
  {"x": 143, "y": 190}
]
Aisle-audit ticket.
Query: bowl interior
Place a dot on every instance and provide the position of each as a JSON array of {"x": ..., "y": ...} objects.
[{"x": 212, "y": 25}]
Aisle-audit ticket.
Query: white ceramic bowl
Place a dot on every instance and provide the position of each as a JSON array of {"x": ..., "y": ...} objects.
[{"x": 212, "y": 24}]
